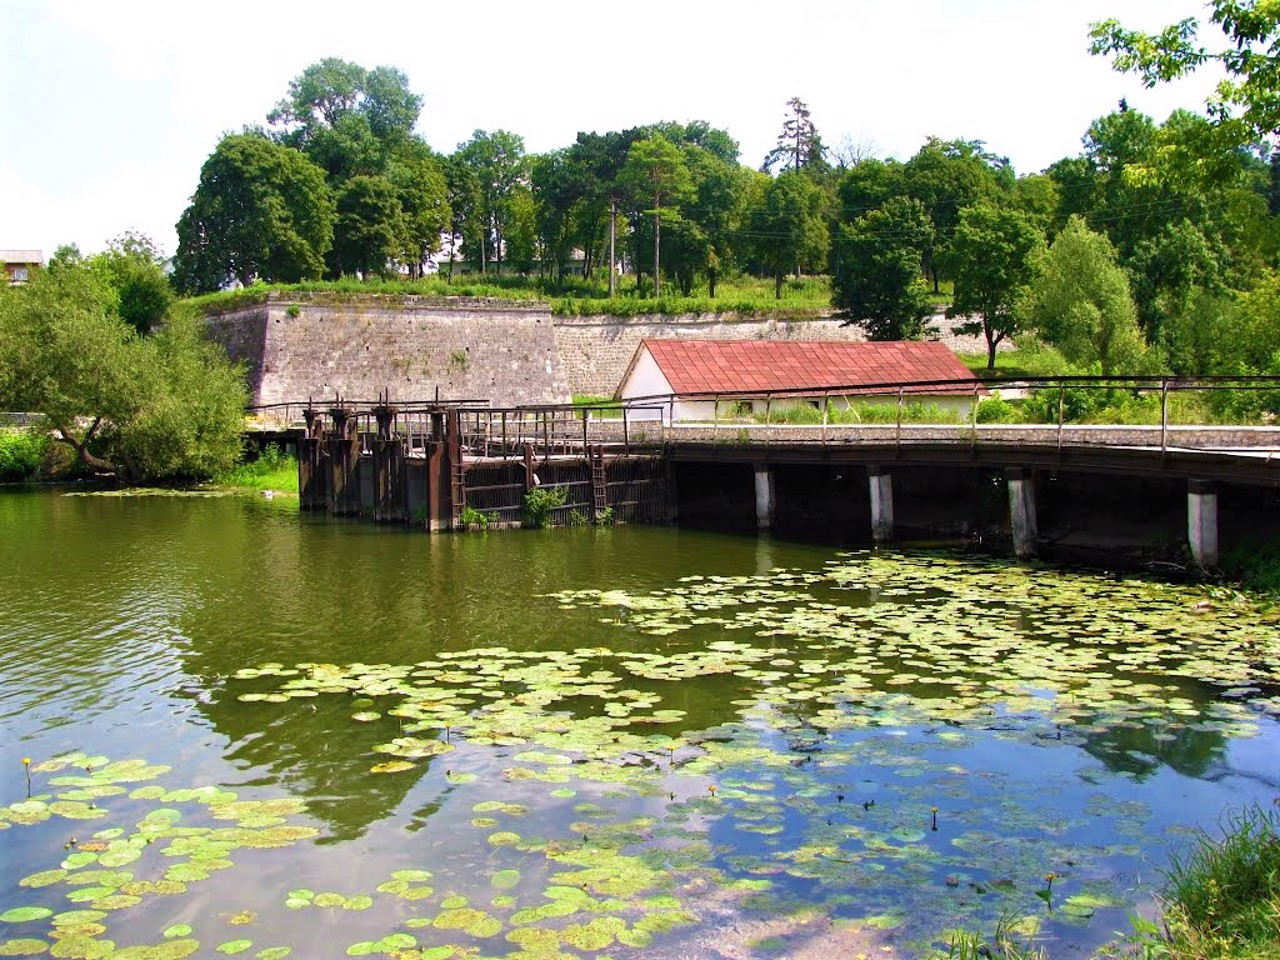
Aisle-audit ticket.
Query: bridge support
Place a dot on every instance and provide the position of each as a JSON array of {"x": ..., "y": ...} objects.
[
  {"x": 1202, "y": 522},
  {"x": 881, "y": 483},
  {"x": 1022, "y": 511},
  {"x": 764, "y": 496}
]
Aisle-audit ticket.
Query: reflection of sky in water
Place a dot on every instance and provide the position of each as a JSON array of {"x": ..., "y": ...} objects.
[{"x": 122, "y": 625}]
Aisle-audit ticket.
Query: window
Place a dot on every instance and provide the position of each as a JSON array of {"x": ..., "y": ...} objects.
[{"x": 19, "y": 275}]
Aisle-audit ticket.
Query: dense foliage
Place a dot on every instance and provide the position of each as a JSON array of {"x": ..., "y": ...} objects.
[
  {"x": 1144, "y": 252},
  {"x": 166, "y": 405}
]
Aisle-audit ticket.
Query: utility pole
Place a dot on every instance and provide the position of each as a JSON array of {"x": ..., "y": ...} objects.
[
  {"x": 657, "y": 242},
  {"x": 613, "y": 234}
]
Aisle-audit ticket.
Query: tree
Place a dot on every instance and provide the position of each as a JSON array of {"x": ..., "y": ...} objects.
[
  {"x": 799, "y": 144},
  {"x": 133, "y": 266},
  {"x": 1081, "y": 304},
  {"x": 164, "y": 406},
  {"x": 947, "y": 176},
  {"x": 991, "y": 261},
  {"x": 1246, "y": 105},
  {"x": 370, "y": 232},
  {"x": 790, "y": 227},
  {"x": 332, "y": 90},
  {"x": 423, "y": 191},
  {"x": 876, "y": 277},
  {"x": 655, "y": 168},
  {"x": 717, "y": 209},
  {"x": 497, "y": 161},
  {"x": 261, "y": 211}
]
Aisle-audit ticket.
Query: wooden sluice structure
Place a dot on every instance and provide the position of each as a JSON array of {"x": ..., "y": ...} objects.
[{"x": 436, "y": 465}]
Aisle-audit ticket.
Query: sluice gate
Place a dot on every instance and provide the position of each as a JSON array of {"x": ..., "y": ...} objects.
[{"x": 446, "y": 466}]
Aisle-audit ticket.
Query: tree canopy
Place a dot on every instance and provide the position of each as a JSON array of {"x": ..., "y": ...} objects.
[
  {"x": 261, "y": 211},
  {"x": 168, "y": 405}
]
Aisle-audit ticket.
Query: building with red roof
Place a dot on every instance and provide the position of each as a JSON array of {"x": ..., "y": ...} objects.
[{"x": 711, "y": 379}]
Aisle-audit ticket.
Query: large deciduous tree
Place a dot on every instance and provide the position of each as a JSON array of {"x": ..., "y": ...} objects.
[
  {"x": 655, "y": 170},
  {"x": 1246, "y": 105},
  {"x": 875, "y": 270},
  {"x": 790, "y": 226},
  {"x": 991, "y": 259},
  {"x": 164, "y": 406},
  {"x": 498, "y": 162},
  {"x": 1081, "y": 303},
  {"x": 133, "y": 266},
  {"x": 947, "y": 176},
  {"x": 370, "y": 231},
  {"x": 261, "y": 211}
]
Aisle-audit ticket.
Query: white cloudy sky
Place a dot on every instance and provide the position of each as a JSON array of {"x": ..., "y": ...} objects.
[{"x": 109, "y": 107}]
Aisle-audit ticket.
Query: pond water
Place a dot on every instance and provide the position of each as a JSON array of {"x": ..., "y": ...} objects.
[{"x": 262, "y": 734}]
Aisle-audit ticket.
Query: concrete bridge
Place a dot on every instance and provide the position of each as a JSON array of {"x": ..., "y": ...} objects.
[{"x": 440, "y": 463}]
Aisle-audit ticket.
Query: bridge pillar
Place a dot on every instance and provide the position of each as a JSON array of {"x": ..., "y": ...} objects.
[
  {"x": 764, "y": 496},
  {"x": 881, "y": 483},
  {"x": 1022, "y": 511},
  {"x": 1202, "y": 522}
]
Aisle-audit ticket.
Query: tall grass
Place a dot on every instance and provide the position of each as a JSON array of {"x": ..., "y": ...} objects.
[
  {"x": 272, "y": 470},
  {"x": 1221, "y": 896}
]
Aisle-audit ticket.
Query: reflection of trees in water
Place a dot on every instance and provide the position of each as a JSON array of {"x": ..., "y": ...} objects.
[
  {"x": 312, "y": 748},
  {"x": 1141, "y": 750}
]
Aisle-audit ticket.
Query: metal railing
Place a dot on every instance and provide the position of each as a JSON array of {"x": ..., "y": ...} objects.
[{"x": 1066, "y": 410}]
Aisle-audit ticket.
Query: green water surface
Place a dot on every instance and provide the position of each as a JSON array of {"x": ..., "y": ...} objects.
[{"x": 262, "y": 734}]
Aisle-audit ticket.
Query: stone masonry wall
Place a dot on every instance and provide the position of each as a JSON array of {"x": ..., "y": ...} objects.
[
  {"x": 297, "y": 346},
  {"x": 474, "y": 350}
]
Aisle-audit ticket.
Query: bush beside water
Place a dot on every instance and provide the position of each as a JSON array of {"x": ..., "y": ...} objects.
[
  {"x": 22, "y": 454},
  {"x": 272, "y": 470}
]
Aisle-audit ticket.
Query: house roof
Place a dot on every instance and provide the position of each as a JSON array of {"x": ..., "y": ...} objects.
[
  {"x": 21, "y": 256},
  {"x": 764, "y": 366}
]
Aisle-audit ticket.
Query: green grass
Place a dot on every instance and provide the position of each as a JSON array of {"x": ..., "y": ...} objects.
[
  {"x": 273, "y": 470},
  {"x": 803, "y": 297},
  {"x": 914, "y": 412},
  {"x": 1222, "y": 896}
]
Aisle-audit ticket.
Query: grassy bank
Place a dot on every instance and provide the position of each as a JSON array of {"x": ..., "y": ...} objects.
[
  {"x": 1222, "y": 895},
  {"x": 273, "y": 470},
  {"x": 751, "y": 296}
]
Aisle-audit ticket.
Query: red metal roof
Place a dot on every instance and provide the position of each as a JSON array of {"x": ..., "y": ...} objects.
[{"x": 762, "y": 366}]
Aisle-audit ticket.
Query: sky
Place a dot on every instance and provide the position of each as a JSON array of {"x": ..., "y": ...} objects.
[{"x": 109, "y": 107}]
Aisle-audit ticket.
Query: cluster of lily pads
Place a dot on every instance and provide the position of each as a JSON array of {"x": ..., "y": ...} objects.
[
  {"x": 177, "y": 838},
  {"x": 843, "y": 796}
]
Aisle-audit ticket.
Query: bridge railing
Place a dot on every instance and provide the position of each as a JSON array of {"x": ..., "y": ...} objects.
[
  {"x": 563, "y": 430},
  {"x": 1217, "y": 412}
]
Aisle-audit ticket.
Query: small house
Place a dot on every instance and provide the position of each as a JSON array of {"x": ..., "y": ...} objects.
[
  {"x": 19, "y": 264},
  {"x": 706, "y": 380}
]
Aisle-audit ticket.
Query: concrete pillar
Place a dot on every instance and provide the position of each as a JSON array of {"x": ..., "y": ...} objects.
[
  {"x": 881, "y": 483},
  {"x": 1202, "y": 522},
  {"x": 764, "y": 496},
  {"x": 1022, "y": 511}
]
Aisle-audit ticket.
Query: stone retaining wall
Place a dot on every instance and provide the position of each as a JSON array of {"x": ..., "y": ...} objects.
[
  {"x": 297, "y": 346},
  {"x": 502, "y": 352}
]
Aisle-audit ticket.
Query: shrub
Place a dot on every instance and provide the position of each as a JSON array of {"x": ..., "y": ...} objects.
[
  {"x": 540, "y": 503},
  {"x": 473, "y": 519},
  {"x": 998, "y": 410},
  {"x": 21, "y": 453},
  {"x": 273, "y": 469}
]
